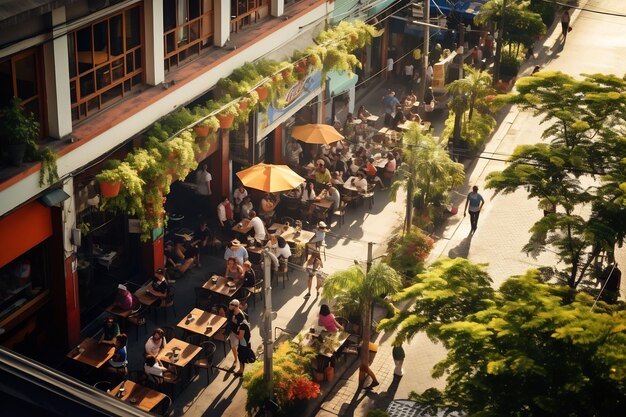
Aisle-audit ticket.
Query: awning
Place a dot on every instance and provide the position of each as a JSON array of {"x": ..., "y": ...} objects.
[{"x": 338, "y": 82}]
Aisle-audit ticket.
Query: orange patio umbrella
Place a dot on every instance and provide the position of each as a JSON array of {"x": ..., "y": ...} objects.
[
  {"x": 316, "y": 134},
  {"x": 270, "y": 178}
]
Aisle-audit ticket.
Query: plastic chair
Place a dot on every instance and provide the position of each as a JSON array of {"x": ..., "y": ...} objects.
[{"x": 205, "y": 359}]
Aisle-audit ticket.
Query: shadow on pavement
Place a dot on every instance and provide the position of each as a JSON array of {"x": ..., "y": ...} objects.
[
  {"x": 462, "y": 249},
  {"x": 220, "y": 404}
]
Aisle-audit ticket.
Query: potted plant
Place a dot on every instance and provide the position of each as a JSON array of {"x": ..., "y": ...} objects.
[
  {"x": 227, "y": 116},
  {"x": 110, "y": 182},
  {"x": 48, "y": 173},
  {"x": 397, "y": 352},
  {"x": 19, "y": 130},
  {"x": 207, "y": 125}
]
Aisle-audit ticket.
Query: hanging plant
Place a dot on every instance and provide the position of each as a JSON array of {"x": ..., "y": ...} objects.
[
  {"x": 48, "y": 173},
  {"x": 263, "y": 91},
  {"x": 227, "y": 116}
]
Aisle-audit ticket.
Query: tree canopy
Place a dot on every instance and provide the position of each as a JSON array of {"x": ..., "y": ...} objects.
[{"x": 577, "y": 174}]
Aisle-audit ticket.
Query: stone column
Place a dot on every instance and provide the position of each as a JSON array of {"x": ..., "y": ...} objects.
[
  {"x": 57, "y": 79},
  {"x": 153, "y": 20},
  {"x": 277, "y": 8},
  {"x": 221, "y": 15}
]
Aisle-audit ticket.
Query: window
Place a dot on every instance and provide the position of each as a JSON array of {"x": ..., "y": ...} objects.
[
  {"x": 20, "y": 76},
  {"x": 187, "y": 28},
  {"x": 245, "y": 12},
  {"x": 106, "y": 61},
  {"x": 23, "y": 279}
]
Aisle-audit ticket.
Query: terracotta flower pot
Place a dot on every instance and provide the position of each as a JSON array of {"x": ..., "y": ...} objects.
[
  {"x": 226, "y": 122},
  {"x": 263, "y": 92},
  {"x": 202, "y": 131},
  {"x": 330, "y": 373},
  {"x": 243, "y": 105},
  {"x": 110, "y": 188}
]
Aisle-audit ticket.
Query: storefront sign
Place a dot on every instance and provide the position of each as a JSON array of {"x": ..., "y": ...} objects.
[{"x": 296, "y": 97}]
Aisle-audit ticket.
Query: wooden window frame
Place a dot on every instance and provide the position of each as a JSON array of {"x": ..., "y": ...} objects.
[
  {"x": 173, "y": 58},
  {"x": 251, "y": 15},
  {"x": 40, "y": 96},
  {"x": 128, "y": 82}
]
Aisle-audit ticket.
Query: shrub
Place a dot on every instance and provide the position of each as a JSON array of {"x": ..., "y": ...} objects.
[
  {"x": 409, "y": 252},
  {"x": 509, "y": 64}
]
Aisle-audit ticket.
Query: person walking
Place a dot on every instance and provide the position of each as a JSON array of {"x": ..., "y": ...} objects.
[
  {"x": 565, "y": 24},
  {"x": 475, "y": 202}
]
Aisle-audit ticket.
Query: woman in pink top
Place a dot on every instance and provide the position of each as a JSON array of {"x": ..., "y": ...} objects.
[
  {"x": 327, "y": 319},
  {"x": 390, "y": 166}
]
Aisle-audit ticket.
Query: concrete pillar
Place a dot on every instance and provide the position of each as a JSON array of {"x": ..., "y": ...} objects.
[
  {"x": 153, "y": 20},
  {"x": 221, "y": 22},
  {"x": 57, "y": 78},
  {"x": 277, "y": 8}
]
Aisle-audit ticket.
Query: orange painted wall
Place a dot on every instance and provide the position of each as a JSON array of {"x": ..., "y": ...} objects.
[{"x": 23, "y": 229}]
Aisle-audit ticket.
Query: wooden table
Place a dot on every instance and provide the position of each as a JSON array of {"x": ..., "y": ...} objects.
[
  {"x": 186, "y": 352},
  {"x": 112, "y": 309},
  {"x": 280, "y": 229},
  {"x": 139, "y": 396},
  {"x": 93, "y": 353},
  {"x": 144, "y": 296},
  {"x": 348, "y": 185},
  {"x": 200, "y": 320},
  {"x": 221, "y": 288},
  {"x": 372, "y": 119},
  {"x": 302, "y": 237},
  {"x": 323, "y": 203},
  {"x": 245, "y": 227}
]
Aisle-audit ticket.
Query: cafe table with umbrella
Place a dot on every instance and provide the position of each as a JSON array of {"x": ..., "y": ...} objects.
[
  {"x": 319, "y": 134},
  {"x": 270, "y": 178}
]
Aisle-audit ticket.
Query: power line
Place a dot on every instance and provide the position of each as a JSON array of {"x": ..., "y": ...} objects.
[{"x": 585, "y": 9}]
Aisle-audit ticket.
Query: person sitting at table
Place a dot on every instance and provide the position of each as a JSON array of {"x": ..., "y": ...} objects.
[
  {"x": 233, "y": 269},
  {"x": 119, "y": 360},
  {"x": 159, "y": 286},
  {"x": 371, "y": 174},
  {"x": 398, "y": 118},
  {"x": 156, "y": 342},
  {"x": 336, "y": 178},
  {"x": 258, "y": 227},
  {"x": 204, "y": 239},
  {"x": 363, "y": 114},
  {"x": 360, "y": 183},
  {"x": 322, "y": 174},
  {"x": 246, "y": 207},
  {"x": 267, "y": 206},
  {"x": 235, "y": 250},
  {"x": 179, "y": 257},
  {"x": 124, "y": 299},
  {"x": 313, "y": 266},
  {"x": 294, "y": 154},
  {"x": 249, "y": 277},
  {"x": 110, "y": 330},
  {"x": 410, "y": 98},
  {"x": 332, "y": 194},
  {"x": 327, "y": 319},
  {"x": 355, "y": 166},
  {"x": 154, "y": 367},
  {"x": 238, "y": 195},
  {"x": 225, "y": 215},
  {"x": 278, "y": 248},
  {"x": 308, "y": 194},
  {"x": 337, "y": 164},
  {"x": 390, "y": 167}
]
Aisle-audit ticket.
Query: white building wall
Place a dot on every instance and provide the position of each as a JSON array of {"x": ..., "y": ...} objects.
[{"x": 28, "y": 187}]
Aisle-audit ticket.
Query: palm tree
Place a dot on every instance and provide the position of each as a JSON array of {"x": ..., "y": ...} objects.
[
  {"x": 474, "y": 87},
  {"x": 354, "y": 289},
  {"x": 428, "y": 171}
]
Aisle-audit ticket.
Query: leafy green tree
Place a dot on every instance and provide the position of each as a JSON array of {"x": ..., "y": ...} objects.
[
  {"x": 582, "y": 165},
  {"x": 475, "y": 86},
  {"x": 448, "y": 291},
  {"x": 536, "y": 350},
  {"x": 427, "y": 171},
  {"x": 357, "y": 290}
]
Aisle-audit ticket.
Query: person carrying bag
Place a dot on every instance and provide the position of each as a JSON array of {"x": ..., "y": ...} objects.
[{"x": 244, "y": 350}]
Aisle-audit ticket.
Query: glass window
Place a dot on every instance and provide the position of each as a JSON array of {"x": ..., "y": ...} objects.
[
  {"x": 188, "y": 27},
  {"x": 20, "y": 76},
  {"x": 23, "y": 279},
  {"x": 246, "y": 12},
  {"x": 97, "y": 53}
]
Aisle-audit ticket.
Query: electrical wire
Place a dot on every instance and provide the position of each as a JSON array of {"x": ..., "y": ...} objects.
[{"x": 607, "y": 13}]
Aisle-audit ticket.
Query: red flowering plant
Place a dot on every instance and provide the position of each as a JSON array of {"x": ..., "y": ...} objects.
[{"x": 409, "y": 252}]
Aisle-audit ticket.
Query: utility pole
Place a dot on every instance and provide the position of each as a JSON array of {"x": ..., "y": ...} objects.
[
  {"x": 426, "y": 50},
  {"x": 368, "y": 265},
  {"x": 268, "y": 342},
  {"x": 496, "y": 64},
  {"x": 461, "y": 48}
]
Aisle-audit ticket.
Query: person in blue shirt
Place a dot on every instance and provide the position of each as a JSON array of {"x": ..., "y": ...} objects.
[
  {"x": 475, "y": 202},
  {"x": 119, "y": 360}
]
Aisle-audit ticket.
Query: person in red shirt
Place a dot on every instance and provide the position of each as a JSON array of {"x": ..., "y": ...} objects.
[{"x": 371, "y": 172}]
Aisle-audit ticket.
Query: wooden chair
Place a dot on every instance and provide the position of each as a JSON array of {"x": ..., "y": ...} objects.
[
  {"x": 340, "y": 212},
  {"x": 256, "y": 289},
  {"x": 169, "y": 301},
  {"x": 169, "y": 381},
  {"x": 220, "y": 336},
  {"x": 283, "y": 270},
  {"x": 205, "y": 359},
  {"x": 139, "y": 319},
  {"x": 164, "y": 408},
  {"x": 243, "y": 295}
]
